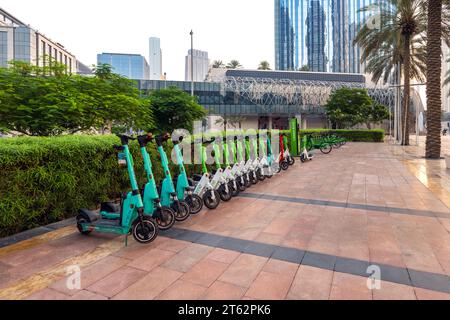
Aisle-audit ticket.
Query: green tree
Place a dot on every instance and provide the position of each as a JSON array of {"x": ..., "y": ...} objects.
[
  {"x": 375, "y": 114},
  {"x": 38, "y": 103},
  {"x": 264, "y": 65},
  {"x": 234, "y": 64},
  {"x": 348, "y": 107},
  {"x": 218, "y": 64},
  {"x": 175, "y": 109}
]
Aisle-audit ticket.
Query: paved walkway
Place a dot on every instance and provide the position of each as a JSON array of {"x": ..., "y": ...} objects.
[{"x": 310, "y": 233}]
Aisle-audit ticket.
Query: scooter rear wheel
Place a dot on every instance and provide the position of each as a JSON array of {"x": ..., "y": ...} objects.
[
  {"x": 241, "y": 185},
  {"x": 144, "y": 231},
  {"x": 326, "y": 149},
  {"x": 80, "y": 221},
  {"x": 182, "y": 211},
  {"x": 211, "y": 203},
  {"x": 234, "y": 191},
  {"x": 260, "y": 175},
  {"x": 224, "y": 195},
  {"x": 302, "y": 158},
  {"x": 195, "y": 203},
  {"x": 167, "y": 219}
]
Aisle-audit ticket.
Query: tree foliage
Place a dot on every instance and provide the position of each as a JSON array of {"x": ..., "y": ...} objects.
[
  {"x": 175, "y": 109},
  {"x": 47, "y": 101},
  {"x": 348, "y": 107}
]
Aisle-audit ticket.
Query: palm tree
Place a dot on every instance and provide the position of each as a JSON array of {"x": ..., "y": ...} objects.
[
  {"x": 437, "y": 15},
  {"x": 217, "y": 64},
  {"x": 234, "y": 64},
  {"x": 103, "y": 71},
  {"x": 264, "y": 65},
  {"x": 304, "y": 68},
  {"x": 402, "y": 25}
]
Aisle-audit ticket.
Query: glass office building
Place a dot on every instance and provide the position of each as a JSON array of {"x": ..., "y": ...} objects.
[
  {"x": 132, "y": 66},
  {"x": 318, "y": 34}
]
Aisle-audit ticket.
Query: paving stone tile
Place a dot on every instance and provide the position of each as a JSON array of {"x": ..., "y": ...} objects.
[
  {"x": 205, "y": 272},
  {"x": 244, "y": 270},
  {"x": 117, "y": 281},
  {"x": 182, "y": 290},
  {"x": 289, "y": 255},
  {"x": 224, "y": 291},
  {"x": 223, "y": 255},
  {"x": 319, "y": 260},
  {"x": 149, "y": 287},
  {"x": 269, "y": 286},
  {"x": 151, "y": 260}
]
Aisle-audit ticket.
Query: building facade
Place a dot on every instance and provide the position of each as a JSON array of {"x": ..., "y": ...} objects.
[
  {"x": 155, "y": 59},
  {"x": 19, "y": 41},
  {"x": 268, "y": 99},
  {"x": 201, "y": 65},
  {"x": 132, "y": 66},
  {"x": 318, "y": 34}
]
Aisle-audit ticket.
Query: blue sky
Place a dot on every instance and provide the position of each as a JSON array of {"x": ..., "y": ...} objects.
[{"x": 227, "y": 29}]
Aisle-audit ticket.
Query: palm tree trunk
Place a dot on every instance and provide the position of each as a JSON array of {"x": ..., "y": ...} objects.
[
  {"x": 407, "y": 89},
  {"x": 434, "y": 66}
]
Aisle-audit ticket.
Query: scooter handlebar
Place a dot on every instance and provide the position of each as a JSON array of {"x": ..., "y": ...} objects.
[{"x": 162, "y": 138}]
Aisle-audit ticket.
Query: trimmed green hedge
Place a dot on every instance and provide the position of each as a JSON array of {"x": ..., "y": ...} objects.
[
  {"x": 44, "y": 180},
  {"x": 376, "y": 135}
]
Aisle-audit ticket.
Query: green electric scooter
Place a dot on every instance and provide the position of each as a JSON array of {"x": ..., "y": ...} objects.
[
  {"x": 185, "y": 191},
  {"x": 131, "y": 217},
  {"x": 165, "y": 217},
  {"x": 169, "y": 197}
]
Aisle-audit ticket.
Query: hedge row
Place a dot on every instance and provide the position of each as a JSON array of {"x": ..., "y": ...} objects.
[{"x": 44, "y": 180}]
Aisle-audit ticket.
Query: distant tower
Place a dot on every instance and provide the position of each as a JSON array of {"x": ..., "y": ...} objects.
[
  {"x": 155, "y": 59},
  {"x": 201, "y": 65}
]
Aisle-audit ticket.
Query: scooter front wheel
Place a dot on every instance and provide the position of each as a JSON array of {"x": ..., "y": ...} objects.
[
  {"x": 302, "y": 158},
  {"x": 211, "y": 203},
  {"x": 144, "y": 231},
  {"x": 195, "y": 203},
  {"x": 224, "y": 194},
  {"x": 291, "y": 161},
  {"x": 166, "y": 219},
  {"x": 182, "y": 211},
  {"x": 285, "y": 165}
]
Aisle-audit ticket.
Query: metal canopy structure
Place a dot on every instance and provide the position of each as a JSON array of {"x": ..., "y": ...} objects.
[{"x": 302, "y": 93}]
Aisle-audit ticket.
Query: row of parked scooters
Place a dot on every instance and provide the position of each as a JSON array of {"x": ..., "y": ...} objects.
[{"x": 143, "y": 212}]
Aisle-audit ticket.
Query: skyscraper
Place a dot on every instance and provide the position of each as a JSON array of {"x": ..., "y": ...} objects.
[
  {"x": 132, "y": 66},
  {"x": 318, "y": 34},
  {"x": 155, "y": 58},
  {"x": 315, "y": 37},
  {"x": 201, "y": 65}
]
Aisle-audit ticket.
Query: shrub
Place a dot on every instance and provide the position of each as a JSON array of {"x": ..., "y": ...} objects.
[{"x": 44, "y": 180}]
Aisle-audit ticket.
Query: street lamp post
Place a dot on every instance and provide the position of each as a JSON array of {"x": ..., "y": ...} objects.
[{"x": 192, "y": 63}]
